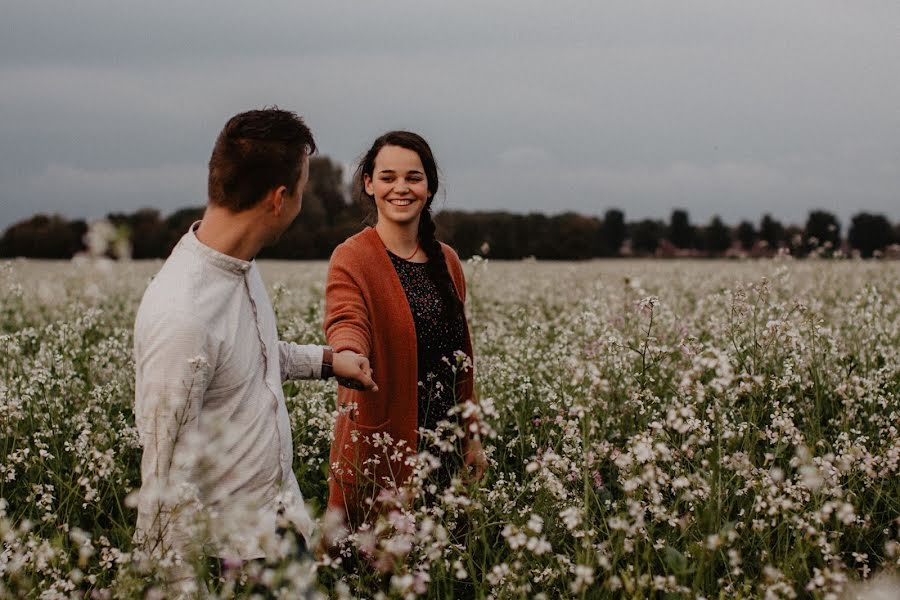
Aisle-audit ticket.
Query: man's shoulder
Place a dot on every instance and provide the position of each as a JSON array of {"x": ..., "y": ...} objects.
[
  {"x": 172, "y": 283},
  {"x": 178, "y": 296}
]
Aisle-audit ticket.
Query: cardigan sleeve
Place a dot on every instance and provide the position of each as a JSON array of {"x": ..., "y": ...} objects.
[{"x": 347, "y": 322}]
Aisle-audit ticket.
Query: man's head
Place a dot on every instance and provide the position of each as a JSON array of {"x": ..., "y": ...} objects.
[{"x": 261, "y": 155}]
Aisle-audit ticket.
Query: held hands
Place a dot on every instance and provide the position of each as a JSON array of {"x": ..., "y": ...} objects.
[
  {"x": 474, "y": 459},
  {"x": 352, "y": 370}
]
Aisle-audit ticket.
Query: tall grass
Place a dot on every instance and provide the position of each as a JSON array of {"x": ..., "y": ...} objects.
[{"x": 654, "y": 429}]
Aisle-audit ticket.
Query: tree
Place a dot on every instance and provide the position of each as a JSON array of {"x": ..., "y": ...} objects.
[
  {"x": 869, "y": 233},
  {"x": 646, "y": 234},
  {"x": 177, "y": 225},
  {"x": 771, "y": 231},
  {"x": 793, "y": 236},
  {"x": 575, "y": 236},
  {"x": 44, "y": 236},
  {"x": 680, "y": 231},
  {"x": 326, "y": 184},
  {"x": 717, "y": 236},
  {"x": 746, "y": 234},
  {"x": 612, "y": 232},
  {"x": 147, "y": 232},
  {"x": 467, "y": 232},
  {"x": 535, "y": 236},
  {"x": 822, "y": 230}
]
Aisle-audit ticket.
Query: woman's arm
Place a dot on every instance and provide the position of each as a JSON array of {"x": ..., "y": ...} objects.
[
  {"x": 473, "y": 454},
  {"x": 347, "y": 322}
]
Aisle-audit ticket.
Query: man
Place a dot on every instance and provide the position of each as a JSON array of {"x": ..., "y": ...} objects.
[{"x": 208, "y": 364}]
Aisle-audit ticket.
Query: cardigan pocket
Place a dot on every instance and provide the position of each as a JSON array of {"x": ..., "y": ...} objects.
[
  {"x": 361, "y": 452},
  {"x": 359, "y": 408},
  {"x": 369, "y": 429}
]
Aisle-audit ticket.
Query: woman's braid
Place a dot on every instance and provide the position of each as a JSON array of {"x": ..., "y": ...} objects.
[{"x": 436, "y": 267}]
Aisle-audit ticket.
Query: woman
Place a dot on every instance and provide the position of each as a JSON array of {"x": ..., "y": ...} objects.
[{"x": 395, "y": 295}]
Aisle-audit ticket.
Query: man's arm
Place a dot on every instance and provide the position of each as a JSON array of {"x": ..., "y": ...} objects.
[
  {"x": 299, "y": 361},
  {"x": 306, "y": 362},
  {"x": 174, "y": 364}
]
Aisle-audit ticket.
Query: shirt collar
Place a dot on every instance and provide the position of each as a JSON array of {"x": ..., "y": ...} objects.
[{"x": 214, "y": 257}]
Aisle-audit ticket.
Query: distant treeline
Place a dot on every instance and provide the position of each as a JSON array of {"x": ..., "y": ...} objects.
[{"x": 328, "y": 217}]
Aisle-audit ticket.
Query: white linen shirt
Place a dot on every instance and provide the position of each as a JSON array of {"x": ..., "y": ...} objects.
[{"x": 209, "y": 404}]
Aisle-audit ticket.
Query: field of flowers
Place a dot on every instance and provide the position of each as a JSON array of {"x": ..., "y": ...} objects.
[{"x": 654, "y": 429}]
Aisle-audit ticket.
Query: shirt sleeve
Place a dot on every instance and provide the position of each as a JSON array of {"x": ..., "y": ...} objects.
[
  {"x": 347, "y": 324},
  {"x": 300, "y": 362},
  {"x": 174, "y": 363}
]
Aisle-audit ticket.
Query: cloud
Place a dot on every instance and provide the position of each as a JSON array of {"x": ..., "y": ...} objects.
[
  {"x": 570, "y": 106},
  {"x": 732, "y": 190},
  {"x": 111, "y": 182},
  {"x": 93, "y": 193},
  {"x": 524, "y": 156}
]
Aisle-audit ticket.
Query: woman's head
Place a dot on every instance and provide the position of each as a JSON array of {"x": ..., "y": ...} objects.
[
  {"x": 390, "y": 160},
  {"x": 379, "y": 187}
]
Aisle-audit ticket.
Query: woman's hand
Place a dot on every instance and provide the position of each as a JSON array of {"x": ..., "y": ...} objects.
[
  {"x": 352, "y": 370},
  {"x": 474, "y": 459}
]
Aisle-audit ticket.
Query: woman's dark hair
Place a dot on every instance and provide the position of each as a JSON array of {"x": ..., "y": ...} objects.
[
  {"x": 257, "y": 151},
  {"x": 437, "y": 263}
]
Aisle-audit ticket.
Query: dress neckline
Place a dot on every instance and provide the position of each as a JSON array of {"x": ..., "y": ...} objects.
[{"x": 403, "y": 260}]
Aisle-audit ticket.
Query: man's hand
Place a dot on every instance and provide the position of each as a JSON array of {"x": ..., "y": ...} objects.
[
  {"x": 474, "y": 459},
  {"x": 352, "y": 370}
]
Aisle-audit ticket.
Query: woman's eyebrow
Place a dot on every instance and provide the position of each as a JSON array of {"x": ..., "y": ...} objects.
[{"x": 410, "y": 172}]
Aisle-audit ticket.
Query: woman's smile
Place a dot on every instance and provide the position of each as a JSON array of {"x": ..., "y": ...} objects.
[{"x": 401, "y": 201}]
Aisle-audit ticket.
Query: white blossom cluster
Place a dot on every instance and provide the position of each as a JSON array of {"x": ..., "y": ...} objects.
[{"x": 693, "y": 429}]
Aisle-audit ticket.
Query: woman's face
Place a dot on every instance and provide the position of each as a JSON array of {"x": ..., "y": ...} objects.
[{"x": 399, "y": 185}]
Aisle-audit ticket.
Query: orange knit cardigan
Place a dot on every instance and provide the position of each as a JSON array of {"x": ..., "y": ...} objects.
[{"x": 366, "y": 311}]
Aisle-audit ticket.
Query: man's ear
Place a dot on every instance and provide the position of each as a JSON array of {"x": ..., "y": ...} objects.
[{"x": 276, "y": 199}]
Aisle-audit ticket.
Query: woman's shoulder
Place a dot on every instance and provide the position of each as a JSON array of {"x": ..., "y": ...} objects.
[
  {"x": 356, "y": 247},
  {"x": 454, "y": 265},
  {"x": 450, "y": 254}
]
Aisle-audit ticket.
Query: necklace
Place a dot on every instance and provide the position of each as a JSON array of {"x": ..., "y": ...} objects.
[
  {"x": 411, "y": 255},
  {"x": 394, "y": 253}
]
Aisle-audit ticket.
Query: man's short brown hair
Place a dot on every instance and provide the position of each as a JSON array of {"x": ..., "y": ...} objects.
[{"x": 257, "y": 151}]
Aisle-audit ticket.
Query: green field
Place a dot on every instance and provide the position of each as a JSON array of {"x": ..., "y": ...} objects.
[{"x": 654, "y": 428}]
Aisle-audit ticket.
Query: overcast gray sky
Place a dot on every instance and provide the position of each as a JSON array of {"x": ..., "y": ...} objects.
[{"x": 719, "y": 107}]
